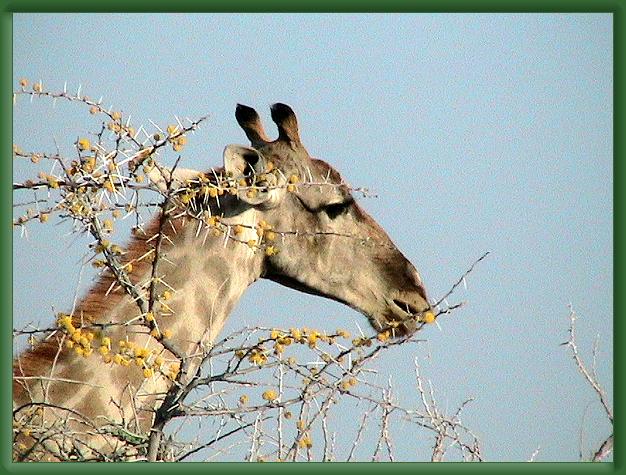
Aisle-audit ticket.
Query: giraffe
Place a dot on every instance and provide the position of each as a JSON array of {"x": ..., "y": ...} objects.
[{"x": 331, "y": 248}]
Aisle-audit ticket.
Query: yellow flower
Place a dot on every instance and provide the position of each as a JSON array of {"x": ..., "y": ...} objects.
[
  {"x": 64, "y": 320},
  {"x": 257, "y": 358},
  {"x": 167, "y": 295},
  {"x": 24, "y": 82},
  {"x": 270, "y": 395},
  {"x": 271, "y": 251},
  {"x": 84, "y": 144},
  {"x": 243, "y": 400},
  {"x": 305, "y": 442},
  {"x": 291, "y": 188},
  {"x": 252, "y": 243},
  {"x": 270, "y": 235},
  {"x": 38, "y": 87},
  {"x": 294, "y": 179},
  {"x": 43, "y": 217},
  {"x": 106, "y": 341},
  {"x": 295, "y": 333},
  {"x": 141, "y": 352},
  {"x": 285, "y": 340},
  {"x": 312, "y": 339},
  {"x": 98, "y": 263},
  {"x": 383, "y": 336},
  {"x": 148, "y": 372},
  {"x": 52, "y": 182},
  {"x": 428, "y": 317},
  {"x": 94, "y": 110},
  {"x": 167, "y": 333},
  {"x": 212, "y": 220},
  {"x": 116, "y": 115},
  {"x": 104, "y": 350}
]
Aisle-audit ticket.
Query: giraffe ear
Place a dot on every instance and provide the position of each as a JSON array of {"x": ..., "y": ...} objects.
[{"x": 246, "y": 163}]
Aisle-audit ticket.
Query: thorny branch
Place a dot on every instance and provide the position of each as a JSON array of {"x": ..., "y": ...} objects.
[
  {"x": 324, "y": 370},
  {"x": 606, "y": 447}
]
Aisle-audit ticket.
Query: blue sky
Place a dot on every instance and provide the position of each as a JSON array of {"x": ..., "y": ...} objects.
[{"x": 479, "y": 132}]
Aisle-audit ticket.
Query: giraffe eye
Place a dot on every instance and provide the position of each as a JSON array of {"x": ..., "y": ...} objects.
[{"x": 336, "y": 209}]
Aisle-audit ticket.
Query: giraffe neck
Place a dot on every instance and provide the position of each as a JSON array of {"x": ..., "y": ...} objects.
[{"x": 202, "y": 277}]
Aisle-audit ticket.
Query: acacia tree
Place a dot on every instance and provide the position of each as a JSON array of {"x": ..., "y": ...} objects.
[{"x": 265, "y": 392}]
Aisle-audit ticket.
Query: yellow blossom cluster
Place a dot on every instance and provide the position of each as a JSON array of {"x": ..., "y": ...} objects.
[
  {"x": 83, "y": 144},
  {"x": 53, "y": 181},
  {"x": 257, "y": 356},
  {"x": 305, "y": 442},
  {"x": 270, "y": 395},
  {"x": 148, "y": 360},
  {"x": 293, "y": 180},
  {"x": 346, "y": 384},
  {"x": 384, "y": 336},
  {"x": 362, "y": 341},
  {"x": 116, "y": 125},
  {"x": 80, "y": 341},
  {"x": 126, "y": 351},
  {"x": 176, "y": 137},
  {"x": 428, "y": 317}
]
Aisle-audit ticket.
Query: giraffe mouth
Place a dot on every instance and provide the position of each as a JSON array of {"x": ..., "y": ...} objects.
[{"x": 407, "y": 308}]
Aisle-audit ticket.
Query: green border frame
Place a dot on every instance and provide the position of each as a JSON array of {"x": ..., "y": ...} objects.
[{"x": 6, "y": 32}]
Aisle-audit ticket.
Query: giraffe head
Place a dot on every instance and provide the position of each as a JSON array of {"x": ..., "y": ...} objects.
[{"x": 334, "y": 248}]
